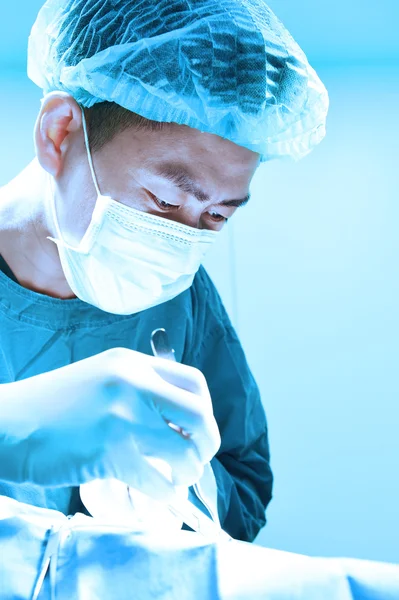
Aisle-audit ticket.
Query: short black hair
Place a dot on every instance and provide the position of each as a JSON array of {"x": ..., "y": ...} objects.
[{"x": 107, "y": 119}]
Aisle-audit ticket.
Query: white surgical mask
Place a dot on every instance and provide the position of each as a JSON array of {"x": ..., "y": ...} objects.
[{"x": 129, "y": 260}]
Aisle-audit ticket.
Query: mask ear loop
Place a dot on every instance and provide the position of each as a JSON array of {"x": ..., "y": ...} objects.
[
  {"x": 89, "y": 157},
  {"x": 52, "y": 192},
  {"x": 50, "y": 199}
]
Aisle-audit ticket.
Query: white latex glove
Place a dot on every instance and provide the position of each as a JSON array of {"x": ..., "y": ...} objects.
[{"x": 100, "y": 417}]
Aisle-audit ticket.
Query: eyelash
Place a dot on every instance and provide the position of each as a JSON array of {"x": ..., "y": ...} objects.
[{"x": 218, "y": 218}]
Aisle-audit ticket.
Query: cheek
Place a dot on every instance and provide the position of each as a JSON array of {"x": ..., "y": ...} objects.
[{"x": 74, "y": 215}]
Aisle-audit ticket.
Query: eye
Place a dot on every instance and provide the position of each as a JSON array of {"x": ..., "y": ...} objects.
[
  {"x": 162, "y": 204},
  {"x": 217, "y": 217}
]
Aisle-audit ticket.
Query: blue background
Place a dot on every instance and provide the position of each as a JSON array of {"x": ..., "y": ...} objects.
[{"x": 309, "y": 273}]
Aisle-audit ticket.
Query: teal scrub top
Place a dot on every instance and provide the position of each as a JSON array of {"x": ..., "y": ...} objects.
[{"x": 39, "y": 333}]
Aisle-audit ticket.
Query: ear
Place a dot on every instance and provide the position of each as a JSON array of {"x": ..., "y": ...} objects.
[{"x": 59, "y": 117}]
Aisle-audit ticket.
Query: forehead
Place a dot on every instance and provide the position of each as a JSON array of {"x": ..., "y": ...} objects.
[{"x": 200, "y": 151}]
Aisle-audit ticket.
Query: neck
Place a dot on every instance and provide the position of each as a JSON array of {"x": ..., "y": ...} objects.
[{"x": 25, "y": 224}]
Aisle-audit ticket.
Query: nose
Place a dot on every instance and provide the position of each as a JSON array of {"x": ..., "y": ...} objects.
[{"x": 189, "y": 217}]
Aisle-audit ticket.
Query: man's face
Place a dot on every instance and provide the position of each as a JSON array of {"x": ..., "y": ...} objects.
[{"x": 194, "y": 178}]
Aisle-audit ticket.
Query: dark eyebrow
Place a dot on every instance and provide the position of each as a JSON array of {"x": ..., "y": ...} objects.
[{"x": 181, "y": 177}]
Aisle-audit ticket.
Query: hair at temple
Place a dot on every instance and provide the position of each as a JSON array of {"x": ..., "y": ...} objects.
[{"x": 107, "y": 119}]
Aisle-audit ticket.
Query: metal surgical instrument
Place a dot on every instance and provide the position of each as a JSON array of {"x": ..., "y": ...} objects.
[{"x": 184, "y": 509}]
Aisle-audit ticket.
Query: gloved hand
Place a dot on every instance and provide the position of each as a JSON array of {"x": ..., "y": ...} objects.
[{"x": 100, "y": 417}]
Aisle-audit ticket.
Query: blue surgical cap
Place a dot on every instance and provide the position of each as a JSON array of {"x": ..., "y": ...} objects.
[{"x": 227, "y": 67}]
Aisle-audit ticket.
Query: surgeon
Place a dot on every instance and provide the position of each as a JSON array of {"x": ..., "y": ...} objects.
[{"x": 155, "y": 117}]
